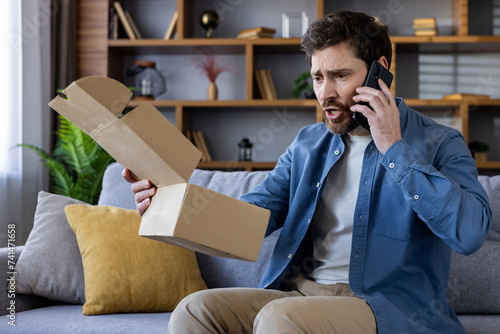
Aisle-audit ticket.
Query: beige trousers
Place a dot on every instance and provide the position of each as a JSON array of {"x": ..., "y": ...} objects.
[{"x": 311, "y": 308}]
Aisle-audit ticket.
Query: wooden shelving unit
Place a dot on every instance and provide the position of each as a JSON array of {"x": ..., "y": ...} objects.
[{"x": 99, "y": 56}]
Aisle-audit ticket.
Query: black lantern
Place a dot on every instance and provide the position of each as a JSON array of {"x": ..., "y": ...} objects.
[{"x": 245, "y": 151}]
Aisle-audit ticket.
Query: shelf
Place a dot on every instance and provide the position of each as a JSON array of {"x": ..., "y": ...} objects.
[
  {"x": 219, "y": 45},
  {"x": 125, "y": 42},
  {"x": 231, "y": 103},
  {"x": 444, "y": 39},
  {"x": 488, "y": 165},
  {"x": 231, "y": 165},
  {"x": 444, "y": 103}
]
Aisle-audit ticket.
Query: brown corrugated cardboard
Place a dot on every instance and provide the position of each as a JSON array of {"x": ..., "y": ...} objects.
[{"x": 144, "y": 141}]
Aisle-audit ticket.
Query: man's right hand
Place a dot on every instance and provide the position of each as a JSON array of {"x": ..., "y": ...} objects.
[{"x": 143, "y": 191}]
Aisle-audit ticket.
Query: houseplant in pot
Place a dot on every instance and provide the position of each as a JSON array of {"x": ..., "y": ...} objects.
[
  {"x": 303, "y": 83},
  {"x": 479, "y": 150}
]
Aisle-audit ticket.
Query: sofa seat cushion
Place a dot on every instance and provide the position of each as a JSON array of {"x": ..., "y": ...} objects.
[{"x": 69, "y": 319}]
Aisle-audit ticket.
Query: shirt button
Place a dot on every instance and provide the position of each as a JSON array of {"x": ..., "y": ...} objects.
[
  {"x": 309, "y": 221},
  {"x": 416, "y": 197},
  {"x": 265, "y": 286},
  {"x": 392, "y": 165},
  {"x": 289, "y": 256},
  {"x": 318, "y": 184},
  {"x": 337, "y": 152}
]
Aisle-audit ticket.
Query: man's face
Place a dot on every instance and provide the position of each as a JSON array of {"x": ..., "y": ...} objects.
[{"x": 336, "y": 73}]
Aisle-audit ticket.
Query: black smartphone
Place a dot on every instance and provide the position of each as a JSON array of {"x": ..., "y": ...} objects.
[{"x": 376, "y": 71}]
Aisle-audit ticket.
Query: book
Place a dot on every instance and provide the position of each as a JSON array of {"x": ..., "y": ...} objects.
[
  {"x": 113, "y": 24},
  {"x": 172, "y": 27},
  {"x": 131, "y": 21},
  {"x": 200, "y": 143},
  {"x": 429, "y": 32},
  {"x": 189, "y": 135},
  {"x": 254, "y": 35},
  {"x": 265, "y": 84},
  {"x": 461, "y": 96},
  {"x": 204, "y": 146},
  {"x": 258, "y": 30},
  {"x": 260, "y": 84},
  {"x": 123, "y": 20},
  {"x": 424, "y": 23},
  {"x": 270, "y": 84}
]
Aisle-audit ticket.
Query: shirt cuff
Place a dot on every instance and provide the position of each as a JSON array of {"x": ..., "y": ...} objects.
[{"x": 398, "y": 159}]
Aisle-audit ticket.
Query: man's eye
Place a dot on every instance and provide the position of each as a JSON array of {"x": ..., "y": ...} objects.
[{"x": 341, "y": 76}]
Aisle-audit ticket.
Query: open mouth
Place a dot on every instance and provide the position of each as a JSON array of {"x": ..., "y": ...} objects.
[{"x": 333, "y": 113}]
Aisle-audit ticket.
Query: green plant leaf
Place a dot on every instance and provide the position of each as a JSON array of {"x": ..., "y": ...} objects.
[{"x": 77, "y": 163}]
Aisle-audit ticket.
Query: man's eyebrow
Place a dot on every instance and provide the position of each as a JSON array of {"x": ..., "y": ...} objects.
[{"x": 330, "y": 72}]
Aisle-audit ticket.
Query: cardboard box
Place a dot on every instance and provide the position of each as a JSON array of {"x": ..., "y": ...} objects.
[{"x": 144, "y": 141}]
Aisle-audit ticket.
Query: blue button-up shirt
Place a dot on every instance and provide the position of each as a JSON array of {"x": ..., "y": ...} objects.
[{"x": 416, "y": 203}]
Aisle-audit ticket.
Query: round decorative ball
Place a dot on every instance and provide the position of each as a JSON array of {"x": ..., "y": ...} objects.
[{"x": 209, "y": 20}]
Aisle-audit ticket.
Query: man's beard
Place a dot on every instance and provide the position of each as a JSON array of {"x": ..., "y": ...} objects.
[{"x": 344, "y": 124}]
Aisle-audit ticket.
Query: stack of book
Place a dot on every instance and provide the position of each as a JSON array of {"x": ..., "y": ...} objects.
[
  {"x": 257, "y": 32},
  {"x": 425, "y": 27},
  {"x": 265, "y": 83},
  {"x": 118, "y": 14}
]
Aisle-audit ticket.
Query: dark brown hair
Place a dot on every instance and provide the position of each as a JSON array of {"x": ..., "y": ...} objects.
[{"x": 369, "y": 39}]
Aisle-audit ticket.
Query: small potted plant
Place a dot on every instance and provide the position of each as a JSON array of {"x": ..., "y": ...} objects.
[
  {"x": 303, "y": 83},
  {"x": 479, "y": 150}
]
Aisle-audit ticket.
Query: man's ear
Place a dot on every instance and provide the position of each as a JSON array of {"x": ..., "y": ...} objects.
[{"x": 382, "y": 60}]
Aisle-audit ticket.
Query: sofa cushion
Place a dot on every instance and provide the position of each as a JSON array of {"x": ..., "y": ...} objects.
[
  {"x": 474, "y": 279},
  {"x": 125, "y": 272},
  {"x": 50, "y": 264}
]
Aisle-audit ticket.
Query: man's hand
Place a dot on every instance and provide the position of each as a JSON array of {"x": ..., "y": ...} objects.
[
  {"x": 384, "y": 118},
  {"x": 143, "y": 191}
]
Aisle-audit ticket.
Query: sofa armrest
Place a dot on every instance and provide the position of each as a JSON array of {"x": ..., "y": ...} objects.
[{"x": 10, "y": 301}]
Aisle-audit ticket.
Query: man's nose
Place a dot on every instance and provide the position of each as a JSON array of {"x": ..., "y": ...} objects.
[{"x": 327, "y": 91}]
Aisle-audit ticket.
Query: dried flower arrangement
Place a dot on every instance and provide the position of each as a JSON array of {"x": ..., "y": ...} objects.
[{"x": 209, "y": 66}]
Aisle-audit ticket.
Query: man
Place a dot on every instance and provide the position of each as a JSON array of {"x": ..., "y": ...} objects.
[{"x": 368, "y": 219}]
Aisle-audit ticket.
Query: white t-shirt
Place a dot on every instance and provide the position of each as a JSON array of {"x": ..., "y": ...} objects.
[{"x": 332, "y": 222}]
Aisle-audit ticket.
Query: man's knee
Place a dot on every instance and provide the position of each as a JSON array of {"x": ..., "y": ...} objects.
[
  {"x": 276, "y": 317},
  {"x": 191, "y": 310}
]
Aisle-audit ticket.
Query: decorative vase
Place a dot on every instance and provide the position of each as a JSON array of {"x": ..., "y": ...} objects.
[{"x": 212, "y": 92}]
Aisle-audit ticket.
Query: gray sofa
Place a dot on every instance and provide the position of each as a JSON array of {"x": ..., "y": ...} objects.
[{"x": 474, "y": 280}]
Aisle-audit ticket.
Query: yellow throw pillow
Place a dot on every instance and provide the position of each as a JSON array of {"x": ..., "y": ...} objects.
[{"x": 125, "y": 272}]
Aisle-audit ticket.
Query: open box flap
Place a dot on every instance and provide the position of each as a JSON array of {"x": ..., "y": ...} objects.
[{"x": 143, "y": 140}]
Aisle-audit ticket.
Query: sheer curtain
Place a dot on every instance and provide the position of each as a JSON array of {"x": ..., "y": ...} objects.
[
  {"x": 10, "y": 124},
  {"x": 25, "y": 92}
]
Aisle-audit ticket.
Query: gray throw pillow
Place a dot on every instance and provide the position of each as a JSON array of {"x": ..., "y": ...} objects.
[{"x": 50, "y": 264}]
